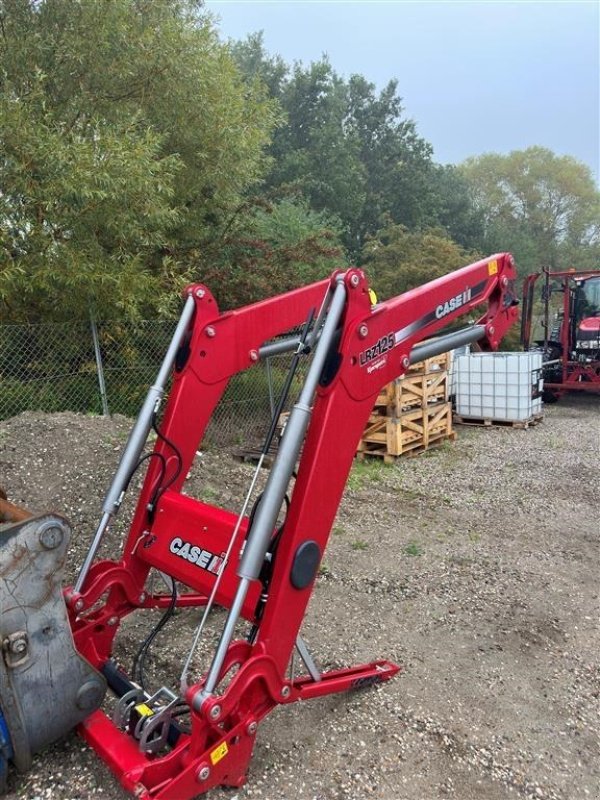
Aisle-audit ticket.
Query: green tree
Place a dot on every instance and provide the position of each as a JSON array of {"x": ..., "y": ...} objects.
[
  {"x": 272, "y": 248},
  {"x": 543, "y": 207},
  {"x": 312, "y": 153},
  {"x": 343, "y": 146},
  {"x": 453, "y": 208},
  {"x": 396, "y": 160},
  {"x": 128, "y": 140},
  {"x": 397, "y": 259}
]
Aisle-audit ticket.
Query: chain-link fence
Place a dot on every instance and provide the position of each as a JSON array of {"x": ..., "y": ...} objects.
[{"x": 106, "y": 368}]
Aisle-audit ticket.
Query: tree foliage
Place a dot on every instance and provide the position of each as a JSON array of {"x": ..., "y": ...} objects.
[
  {"x": 138, "y": 152},
  {"x": 127, "y": 141},
  {"x": 345, "y": 147},
  {"x": 543, "y": 207},
  {"x": 397, "y": 259},
  {"x": 271, "y": 248}
]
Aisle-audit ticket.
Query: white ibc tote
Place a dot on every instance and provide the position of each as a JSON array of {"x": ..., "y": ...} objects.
[{"x": 498, "y": 386}]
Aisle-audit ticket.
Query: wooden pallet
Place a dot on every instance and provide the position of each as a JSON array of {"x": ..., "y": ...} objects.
[
  {"x": 412, "y": 392},
  {"x": 251, "y": 455},
  {"x": 409, "y": 430},
  {"x": 498, "y": 423},
  {"x": 375, "y": 451}
]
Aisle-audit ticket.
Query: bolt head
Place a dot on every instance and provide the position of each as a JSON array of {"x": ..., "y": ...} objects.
[
  {"x": 18, "y": 646},
  {"x": 363, "y": 331},
  {"x": 285, "y": 692},
  {"x": 210, "y": 331},
  {"x": 406, "y": 362},
  {"x": 203, "y": 773},
  {"x": 200, "y": 293},
  {"x": 253, "y": 355},
  {"x": 251, "y": 729},
  {"x": 354, "y": 280},
  {"x": 142, "y": 598},
  {"x": 51, "y": 536},
  {"x": 215, "y": 712},
  {"x": 112, "y": 621},
  {"x": 79, "y": 605}
]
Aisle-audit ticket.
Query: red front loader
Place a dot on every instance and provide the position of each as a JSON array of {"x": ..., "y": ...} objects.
[{"x": 259, "y": 562}]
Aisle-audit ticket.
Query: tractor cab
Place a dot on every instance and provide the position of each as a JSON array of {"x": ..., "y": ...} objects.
[{"x": 587, "y": 314}]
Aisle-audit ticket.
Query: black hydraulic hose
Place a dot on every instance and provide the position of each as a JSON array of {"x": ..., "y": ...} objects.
[
  {"x": 137, "y": 668},
  {"x": 302, "y": 350}
]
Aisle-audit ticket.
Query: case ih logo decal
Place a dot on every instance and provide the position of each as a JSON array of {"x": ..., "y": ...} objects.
[
  {"x": 391, "y": 340},
  {"x": 451, "y": 305},
  {"x": 382, "y": 346},
  {"x": 196, "y": 555}
]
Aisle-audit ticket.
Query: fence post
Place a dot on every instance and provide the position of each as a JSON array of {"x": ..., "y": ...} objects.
[
  {"x": 99, "y": 367},
  {"x": 270, "y": 384}
]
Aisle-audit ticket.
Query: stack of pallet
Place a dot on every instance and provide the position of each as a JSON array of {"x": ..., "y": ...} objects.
[{"x": 411, "y": 414}]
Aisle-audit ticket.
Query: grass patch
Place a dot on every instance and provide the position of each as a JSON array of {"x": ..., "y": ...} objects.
[
  {"x": 365, "y": 472},
  {"x": 413, "y": 549},
  {"x": 359, "y": 544},
  {"x": 209, "y": 494}
]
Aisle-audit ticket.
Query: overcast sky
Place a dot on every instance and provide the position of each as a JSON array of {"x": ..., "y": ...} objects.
[{"x": 475, "y": 76}]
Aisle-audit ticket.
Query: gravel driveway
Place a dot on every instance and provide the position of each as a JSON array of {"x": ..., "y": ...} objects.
[{"x": 475, "y": 566}]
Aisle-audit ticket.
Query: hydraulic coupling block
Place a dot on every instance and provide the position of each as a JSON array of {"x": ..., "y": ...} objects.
[{"x": 152, "y": 721}]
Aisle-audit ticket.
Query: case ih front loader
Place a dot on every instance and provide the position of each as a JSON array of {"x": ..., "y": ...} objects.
[{"x": 258, "y": 562}]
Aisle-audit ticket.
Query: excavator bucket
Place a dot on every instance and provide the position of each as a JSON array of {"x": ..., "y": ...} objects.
[{"x": 46, "y": 687}]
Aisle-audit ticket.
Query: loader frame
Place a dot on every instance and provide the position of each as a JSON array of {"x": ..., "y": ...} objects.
[{"x": 356, "y": 349}]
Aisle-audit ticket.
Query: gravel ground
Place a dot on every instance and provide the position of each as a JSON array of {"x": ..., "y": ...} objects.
[{"x": 475, "y": 566}]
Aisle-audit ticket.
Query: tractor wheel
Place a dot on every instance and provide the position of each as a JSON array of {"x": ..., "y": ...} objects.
[{"x": 550, "y": 396}]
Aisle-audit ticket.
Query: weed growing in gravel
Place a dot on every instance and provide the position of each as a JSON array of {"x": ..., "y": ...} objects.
[
  {"x": 359, "y": 544},
  {"x": 413, "y": 549},
  {"x": 338, "y": 530},
  {"x": 209, "y": 494},
  {"x": 324, "y": 571},
  {"x": 365, "y": 472}
]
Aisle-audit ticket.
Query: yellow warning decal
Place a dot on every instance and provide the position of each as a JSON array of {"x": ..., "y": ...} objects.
[
  {"x": 218, "y": 753},
  {"x": 493, "y": 267},
  {"x": 144, "y": 710}
]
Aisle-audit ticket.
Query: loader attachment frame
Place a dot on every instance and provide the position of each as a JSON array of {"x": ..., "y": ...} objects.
[{"x": 260, "y": 569}]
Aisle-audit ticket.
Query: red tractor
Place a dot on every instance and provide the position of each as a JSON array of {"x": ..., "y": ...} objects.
[{"x": 568, "y": 332}]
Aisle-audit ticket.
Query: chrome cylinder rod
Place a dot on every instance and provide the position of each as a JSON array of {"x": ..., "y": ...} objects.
[
  {"x": 136, "y": 441},
  {"x": 434, "y": 347},
  {"x": 260, "y": 534}
]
